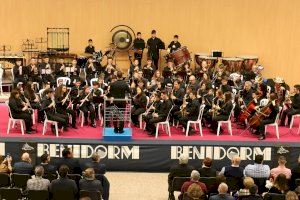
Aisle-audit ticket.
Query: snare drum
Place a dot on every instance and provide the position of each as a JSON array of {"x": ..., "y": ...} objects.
[
  {"x": 233, "y": 64},
  {"x": 249, "y": 61},
  {"x": 180, "y": 56},
  {"x": 211, "y": 61}
]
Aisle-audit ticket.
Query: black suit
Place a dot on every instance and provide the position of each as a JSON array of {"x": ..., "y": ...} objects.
[
  {"x": 72, "y": 163},
  {"x": 89, "y": 49},
  {"x": 179, "y": 170},
  {"x": 23, "y": 168},
  {"x": 46, "y": 76},
  {"x": 207, "y": 172},
  {"x": 48, "y": 168},
  {"x": 63, "y": 187},
  {"x": 118, "y": 90},
  {"x": 192, "y": 109},
  {"x": 20, "y": 74},
  {"x": 139, "y": 44},
  {"x": 139, "y": 107},
  {"x": 90, "y": 185},
  {"x": 154, "y": 44},
  {"x": 223, "y": 114},
  {"x": 98, "y": 167}
]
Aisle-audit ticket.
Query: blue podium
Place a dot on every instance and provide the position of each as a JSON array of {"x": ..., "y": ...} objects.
[{"x": 110, "y": 136}]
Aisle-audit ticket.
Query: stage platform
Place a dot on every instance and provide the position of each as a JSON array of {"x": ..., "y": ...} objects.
[{"x": 145, "y": 153}]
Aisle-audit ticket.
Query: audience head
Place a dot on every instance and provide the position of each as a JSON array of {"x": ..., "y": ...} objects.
[
  {"x": 248, "y": 182},
  {"x": 25, "y": 157},
  {"x": 290, "y": 195},
  {"x": 223, "y": 188},
  {"x": 119, "y": 75},
  {"x": 296, "y": 89},
  {"x": 96, "y": 157},
  {"x": 281, "y": 182},
  {"x": 236, "y": 160},
  {"x": 14, "y": 94},
  {"x": 45, "y": 158},
  {"x": 67, "y": 153},
  {"x": 259, "y": 159},
  {"x": 63, "y": 171},
  {"x": 183, "y": 159},
  {"x": 207, "y": 162},
  {"x": 281, "y": 160},
  {"x": 194, "y": 191},
  {"x": 89, "y": 174},
  {"x": 195, "y": 175},
  {"x": 221, "y": 179},
  {"x": 39, "y": 171},
  {"x": 253, "y": 189}
]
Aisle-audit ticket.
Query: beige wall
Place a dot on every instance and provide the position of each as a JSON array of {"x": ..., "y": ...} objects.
[{"x": 267, "y": 28}]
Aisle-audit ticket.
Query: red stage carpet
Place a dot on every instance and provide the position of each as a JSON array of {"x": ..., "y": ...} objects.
[{"x": 88, "y": 132}]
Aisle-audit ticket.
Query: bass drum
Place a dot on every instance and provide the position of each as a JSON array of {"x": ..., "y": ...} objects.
[
  {"x": 180, "y": 56},
  {"x": 233, "y": 64},
  {"x": 249, "y": 61},
  {"x": 211, "y": 61}
]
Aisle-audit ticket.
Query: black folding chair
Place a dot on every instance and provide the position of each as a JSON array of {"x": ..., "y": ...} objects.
[
  {"x": 20, "y": 180},
  {"x": 75, "y": 177},
  {"x": 176, "y": 185},
  {"x": 94, "y": 195},
  {"x": 4, "y": 180},
  {"x": 10, "y": 194},
  {"x": 260, "y": 182},
  {"x": 273, "y": 196},
  {"x": 38, "y": 195}
]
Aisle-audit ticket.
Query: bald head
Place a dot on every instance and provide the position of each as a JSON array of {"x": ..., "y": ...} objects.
[
  {"x": 223, "y": 188},
  {"x": 236, "y": 160},
  {"x": 25, "y": 157},
  {"x": 192, "y": 79}
]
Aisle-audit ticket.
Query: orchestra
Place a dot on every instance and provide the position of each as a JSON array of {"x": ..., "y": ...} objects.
[{"x": 174, "y": 91}]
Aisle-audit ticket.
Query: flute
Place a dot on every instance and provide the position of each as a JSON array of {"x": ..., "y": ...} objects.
[
  {"x": 85, "y": 98},
  {"x": 65, "y": 99}
]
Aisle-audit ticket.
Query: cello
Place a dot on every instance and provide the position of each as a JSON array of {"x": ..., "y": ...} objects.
[
  {"x": 256, "y": 120},
  {"x": 246, "y": 112}
]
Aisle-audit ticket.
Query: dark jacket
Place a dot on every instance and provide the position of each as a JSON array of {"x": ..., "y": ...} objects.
[
  {"x": 63, "y": 187},
  {"x": 15, "y": 106},
  {"x": 179, "y": 170},
  {"x": 154, "y": 45},
  {"x": 48, "y": 168},
  {"x": 193, "y": 109},
  {"x": 72, "y": 163},
  {"x": 226, "y": 110},
  {"x": 23, "y": 168},
  {"x": 118, "y": 89},
  {"x": 90, "y": 185},
  {"x": 165, "y": 108},
  {"x": 221, "y": 197},
  {"x": 98, "y": 167},
  {"x": 207, "y": 172}
]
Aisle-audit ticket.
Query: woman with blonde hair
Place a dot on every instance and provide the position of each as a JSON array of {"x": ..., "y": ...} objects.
[
  {"x": 291, "y": 196},
  {"x": 194, "y": 192},
  {"x": 248, "y": 182}
]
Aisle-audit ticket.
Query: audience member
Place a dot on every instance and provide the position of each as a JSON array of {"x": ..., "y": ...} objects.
[
  {"x": 182, "y": 169},
  {"x": 38, "y": 182},
  {"x": 214, "y": 187},
  {"x": 291, "y": 196},
  {"x": 63, "y": 186},
  {"x": 253, "y": 194},
  {"x": 89, "y": 183},
  {"x": 258, "y": 169},
  {"x": 206, "y": 170},
  {"x": 223, "y": 195},
  {"x": 234, "y": 170},
  {"x": 5, "y": 164},
  {"x": 98, "y": 167},
  {"x": 280, "y": 185},
  {"x": 295, "y": 173},
  {"x": 195, "y": 176},
  {"x": 45, "y": 162},
  {"x": 68, "y": 160},
  {"x": 194, "y": 192},
  {"x": 24, "y": 166},
  {"x": 248, "y": 183},
  {"x": 281, "y": 169}
]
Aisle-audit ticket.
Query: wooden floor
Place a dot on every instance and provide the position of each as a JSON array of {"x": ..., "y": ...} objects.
[{"x": 138, "y": 186}]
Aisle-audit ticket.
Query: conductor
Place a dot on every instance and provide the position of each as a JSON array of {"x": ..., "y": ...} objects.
[{"x": 118, "y": 89}]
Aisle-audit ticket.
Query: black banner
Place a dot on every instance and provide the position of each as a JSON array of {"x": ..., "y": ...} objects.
[{"x": 152, "y": 157}]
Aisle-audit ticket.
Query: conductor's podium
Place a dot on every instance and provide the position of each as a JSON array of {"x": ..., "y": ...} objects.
[{"x": 110, "y": 135}]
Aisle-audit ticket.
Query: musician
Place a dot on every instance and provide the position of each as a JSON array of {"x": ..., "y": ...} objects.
[
  {"x": 20, "y": 73},
  {"x": 34, "y": 72},
  {"x": 60, "y": 68},
  {"x": 293, "y": 106},
  {"x": 154, "y": 45},
  {"x": 176, "y": 97},
  {"x": 134, "y": 67},
  {"x": 174, "y": 45},
  {"x": 75, "y": 93},
  {"x": 148, "y": 70},
  {"x": 102, "y": 84},
  {"x": 224, "y": 85},
  {"x": 90, "y": 48},
  {"x": 48, "y": 105},
  {"x": 87, "y": 106},
  {"x": 47, "y": 71},
  {"x": 73, "y": 71},
  {"x": 138, "y": 46},
  {"x": 139, "y": 102},
  {"x": 110, "y": 69},
  {"x": 246, "y": 96},
  {"x": 222, "y": 112},
  {"x": 160, "y": 114},
  {"x": 118, "y": 90},
  {"x": 168, "y": 72},
  {"x": 193, "y": 83},
  {"x": 273, "y": 105},
  {"x": 141, "y": 85},
  {"x": 157, "y": 77},
  {"x": 90, "y": 70},
  {"x": 191, "y": 111},
  {"x": 34, "y": 100},
  {"x": 20, "y": 110},
  {"x": 62, "y": 101},
  {"x": 97, "y": 96}
]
